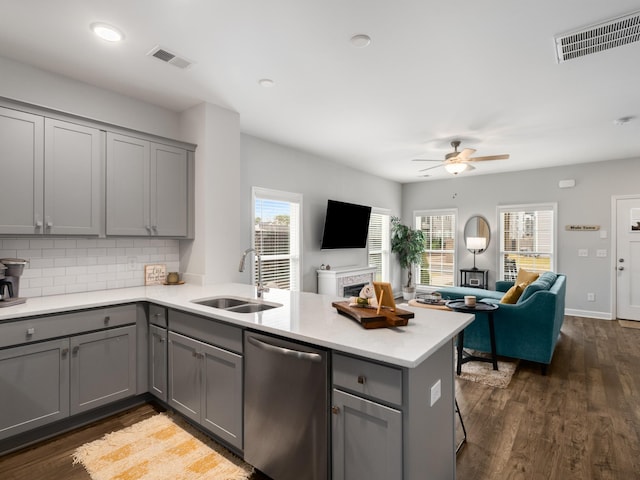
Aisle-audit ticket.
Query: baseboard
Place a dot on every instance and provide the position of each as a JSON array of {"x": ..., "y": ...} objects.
[{"x": 588, "y": 314}]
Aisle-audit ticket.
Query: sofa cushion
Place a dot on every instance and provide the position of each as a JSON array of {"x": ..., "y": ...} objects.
[
  {"x": 513, "y": 294},
  {"x": 525, "y": 277},
  {"x": 544, "y": 282}
]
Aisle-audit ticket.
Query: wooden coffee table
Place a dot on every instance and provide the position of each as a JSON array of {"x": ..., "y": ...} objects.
[{"x": 464, "y": 357}]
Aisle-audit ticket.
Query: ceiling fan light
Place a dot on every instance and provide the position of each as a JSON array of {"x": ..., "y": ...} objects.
[{"x": 455, "y": 168}]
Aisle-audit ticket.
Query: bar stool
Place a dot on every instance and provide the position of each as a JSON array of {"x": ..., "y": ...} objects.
[{"x": 464, "y": 430}]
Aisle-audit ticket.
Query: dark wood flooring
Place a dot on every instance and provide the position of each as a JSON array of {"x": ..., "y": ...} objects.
[{"x": 580, "y": 421}]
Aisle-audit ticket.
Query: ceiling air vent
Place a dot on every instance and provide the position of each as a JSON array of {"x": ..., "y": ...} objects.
[
  {"x": 169, "y": 57},
  {"x": 596, "y": 38}
]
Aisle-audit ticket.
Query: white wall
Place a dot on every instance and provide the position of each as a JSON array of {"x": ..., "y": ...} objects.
[
  {"x": 269, "y": 165},
  {"x": 45, "y": 89},
  {"x": 588, "y": 203}
]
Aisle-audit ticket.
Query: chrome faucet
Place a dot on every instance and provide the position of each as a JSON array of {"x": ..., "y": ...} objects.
[{"x": 261, "y": 288}]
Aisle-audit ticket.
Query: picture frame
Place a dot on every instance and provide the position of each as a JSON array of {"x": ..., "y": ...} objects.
[
  {"x": 155, "y": 274},
  {"x": 474, "y": 282},
  {"x": 383, "y": 290}
]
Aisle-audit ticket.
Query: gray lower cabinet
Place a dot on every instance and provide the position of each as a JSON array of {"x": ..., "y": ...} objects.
[
  {"x": 367, "y": 434},
  {"x": 34, "y": 386},
  {"x": 158, "y": 362},
  {"x": 205, "y": 384},
  {"x": 103, "y": 368}
]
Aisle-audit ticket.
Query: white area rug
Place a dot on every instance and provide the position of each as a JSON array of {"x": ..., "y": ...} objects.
[{"x": 483, "y": 372}]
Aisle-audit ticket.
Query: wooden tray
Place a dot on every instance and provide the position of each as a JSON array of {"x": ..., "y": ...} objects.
[{"x": 368, "y": 318}]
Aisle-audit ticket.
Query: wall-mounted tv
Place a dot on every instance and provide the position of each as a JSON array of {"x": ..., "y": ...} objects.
[{"x": 346, "y": 225}]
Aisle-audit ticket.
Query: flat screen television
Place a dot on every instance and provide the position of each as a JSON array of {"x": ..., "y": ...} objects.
[{"x": 346, "y": 225}]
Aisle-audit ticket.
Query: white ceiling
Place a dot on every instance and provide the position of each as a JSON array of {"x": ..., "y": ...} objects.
[{"x": 481, "y": 71}]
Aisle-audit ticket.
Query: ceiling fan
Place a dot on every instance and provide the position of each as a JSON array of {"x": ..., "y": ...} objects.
[{"x": 457, "y": 162}]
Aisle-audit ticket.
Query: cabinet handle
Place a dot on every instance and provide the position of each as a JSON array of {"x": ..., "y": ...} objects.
[
  {"x": 148, "y": 227},
  {"x": 49, "y": 224},
  {"x": 75, "y": 350},
  {"x": 30, "y": 331},
  {"x": 161, "y": 339},
  {"x": 335, "y": 410},
  {"x": 155, "y": 229},
  {"x": 195, "y": 354},
  {"x": 39, "y": 224},
  {"x": 64, "y": 352},
  {"x": 362, "y": 379},
  {"x": 107, "y": 319}
]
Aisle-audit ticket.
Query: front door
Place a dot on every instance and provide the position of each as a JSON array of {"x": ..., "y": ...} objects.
[{"x": 628, "y": 258}]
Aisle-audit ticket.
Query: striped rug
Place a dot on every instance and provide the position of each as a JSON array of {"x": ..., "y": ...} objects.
[{"x": 158, "y": 448}]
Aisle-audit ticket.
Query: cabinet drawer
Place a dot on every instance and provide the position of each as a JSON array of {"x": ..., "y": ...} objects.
[
  {"x": 36, "y": 329},
  {"x": 367, "y": 378},
  {"x": 206, "y": 330},
  {"x": 158, "y": 315}
]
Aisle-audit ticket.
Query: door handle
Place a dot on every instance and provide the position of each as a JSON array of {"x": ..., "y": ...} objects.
[
  {"x": 620, "y": 267},
  {"x": 313, "y": 357}
]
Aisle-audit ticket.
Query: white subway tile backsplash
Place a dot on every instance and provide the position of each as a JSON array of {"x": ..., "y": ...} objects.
[{"x": 68, "y": 265}]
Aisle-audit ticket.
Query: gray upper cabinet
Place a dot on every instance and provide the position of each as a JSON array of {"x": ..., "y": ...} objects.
[
  {"x": 73, "y": 171},
  {"x": 147, "y": 188},
  {"x": 55, "y": 172},
  {"x": 21, "y": 161}
]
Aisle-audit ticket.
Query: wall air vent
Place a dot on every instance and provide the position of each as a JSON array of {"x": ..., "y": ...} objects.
[
  {"x": 169, "y": 57},
  {"x": 596, "y": 38}
]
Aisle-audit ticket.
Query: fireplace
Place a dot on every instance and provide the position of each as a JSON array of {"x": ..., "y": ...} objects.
[{"x": 344, "y": 281}]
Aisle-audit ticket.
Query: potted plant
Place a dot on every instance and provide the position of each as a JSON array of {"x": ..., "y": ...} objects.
[{"x": 408, "y": 244}]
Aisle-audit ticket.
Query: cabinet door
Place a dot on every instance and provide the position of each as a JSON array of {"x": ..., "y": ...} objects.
[
  {"x": 367, "y": 439},
  {"x": 185, "y": 391},
  {"x": 158, "y": 362},
  {"x": 222, "y": 388},
  {"x": 103, "y": 367},
  {"x": 73, "y": 175},
  {"x": 127, "y": 186},
  {"x": 168, "y": 185},
  {"x": 21, "y": 161},
  {"x": 34, "y": 388}
]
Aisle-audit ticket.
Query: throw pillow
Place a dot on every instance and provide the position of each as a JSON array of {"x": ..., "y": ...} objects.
[
  {"x": 513, "y": 294},
  {"x": 525, "y": 277}
]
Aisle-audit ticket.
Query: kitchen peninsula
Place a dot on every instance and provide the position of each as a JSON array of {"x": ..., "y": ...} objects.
[{"x": 399, "y": 378}]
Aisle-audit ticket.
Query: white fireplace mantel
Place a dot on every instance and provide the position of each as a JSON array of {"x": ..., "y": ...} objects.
[{"x": 332, "y": 282}]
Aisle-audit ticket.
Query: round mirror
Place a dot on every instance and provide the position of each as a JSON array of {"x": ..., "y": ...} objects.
[{"x": 477, "y": 234}]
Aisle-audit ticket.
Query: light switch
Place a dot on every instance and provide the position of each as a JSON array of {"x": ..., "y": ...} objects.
[
  {"x": 583, "y": 252},
  {"x": 436, "y": 392},
  {"x": 603, "y": 234}
]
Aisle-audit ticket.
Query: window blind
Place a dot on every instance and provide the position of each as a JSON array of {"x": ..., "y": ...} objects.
[{"x": 438, "y": 259}]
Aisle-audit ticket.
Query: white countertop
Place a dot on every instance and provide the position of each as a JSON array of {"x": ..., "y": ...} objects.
[{"x": 307, "y": 317}]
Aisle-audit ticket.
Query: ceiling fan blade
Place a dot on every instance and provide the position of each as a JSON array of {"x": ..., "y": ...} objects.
[
  {"x": 424, "y": 160},
  {"x": 465, "y": 154},
  {"x": 488, "y": 157},
  {"x": 431, "y": 168}
]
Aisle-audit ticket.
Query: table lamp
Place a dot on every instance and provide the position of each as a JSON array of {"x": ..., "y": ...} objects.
[{"x": 476, "y": 244}]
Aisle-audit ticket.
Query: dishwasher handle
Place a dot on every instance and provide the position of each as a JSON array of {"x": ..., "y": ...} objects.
[{"x": 313, "y": 357}]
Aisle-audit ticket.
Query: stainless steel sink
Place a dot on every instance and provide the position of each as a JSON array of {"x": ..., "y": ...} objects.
[
  {"x": 251, "y": 308},
  {"x": 221, "y": 302},
  {"x": 236, "y": 304}
]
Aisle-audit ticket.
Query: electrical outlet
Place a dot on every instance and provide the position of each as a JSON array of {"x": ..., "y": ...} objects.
[
  {"x": 601, "y": 252},
  {"x": 436, "y": 392},
  {"x": 591, "y": 297},
  {"x": 583, "y": 252},
  {"x": 132, "y": 263}
]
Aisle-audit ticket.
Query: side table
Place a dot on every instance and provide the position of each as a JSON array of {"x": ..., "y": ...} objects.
[
  {"x": 464, "y": 357},
  {"x": 474, "y": 277}
]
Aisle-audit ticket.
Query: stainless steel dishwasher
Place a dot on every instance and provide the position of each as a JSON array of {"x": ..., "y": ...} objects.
[{"x": 286, "y": 403}]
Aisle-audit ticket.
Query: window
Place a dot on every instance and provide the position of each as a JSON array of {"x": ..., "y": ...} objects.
[
  {"x": 527, "y": 239},
  {"x": 277, "y": 237},
  {"x": 378, "y": 242},
  {"x": 438, "y": 259}
]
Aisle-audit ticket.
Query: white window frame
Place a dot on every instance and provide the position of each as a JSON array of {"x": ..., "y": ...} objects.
[
  {"x": 439, "y": 212},
  {"x": 295, "y": 242},
  {"x": 553, "y": 207},
  {"x": 385, "y": 260}
]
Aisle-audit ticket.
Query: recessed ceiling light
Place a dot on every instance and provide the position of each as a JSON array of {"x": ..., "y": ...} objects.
[
  {"x": 107, "y": 32},
  {"x": 360, "y": 40},
  {"x": 266, "y": 82}
]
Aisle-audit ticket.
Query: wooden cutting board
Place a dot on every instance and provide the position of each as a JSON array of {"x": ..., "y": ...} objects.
[{"x": 369, "y": 318}]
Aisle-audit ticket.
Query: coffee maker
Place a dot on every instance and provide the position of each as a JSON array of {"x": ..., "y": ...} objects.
[{"x": 10, "y": 271}]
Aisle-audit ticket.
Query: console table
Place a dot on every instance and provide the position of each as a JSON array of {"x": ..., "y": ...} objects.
[{"x": 477, "y": 278}]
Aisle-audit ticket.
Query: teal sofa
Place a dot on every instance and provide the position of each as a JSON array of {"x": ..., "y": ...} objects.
[{"x": 528, "y": 329}]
